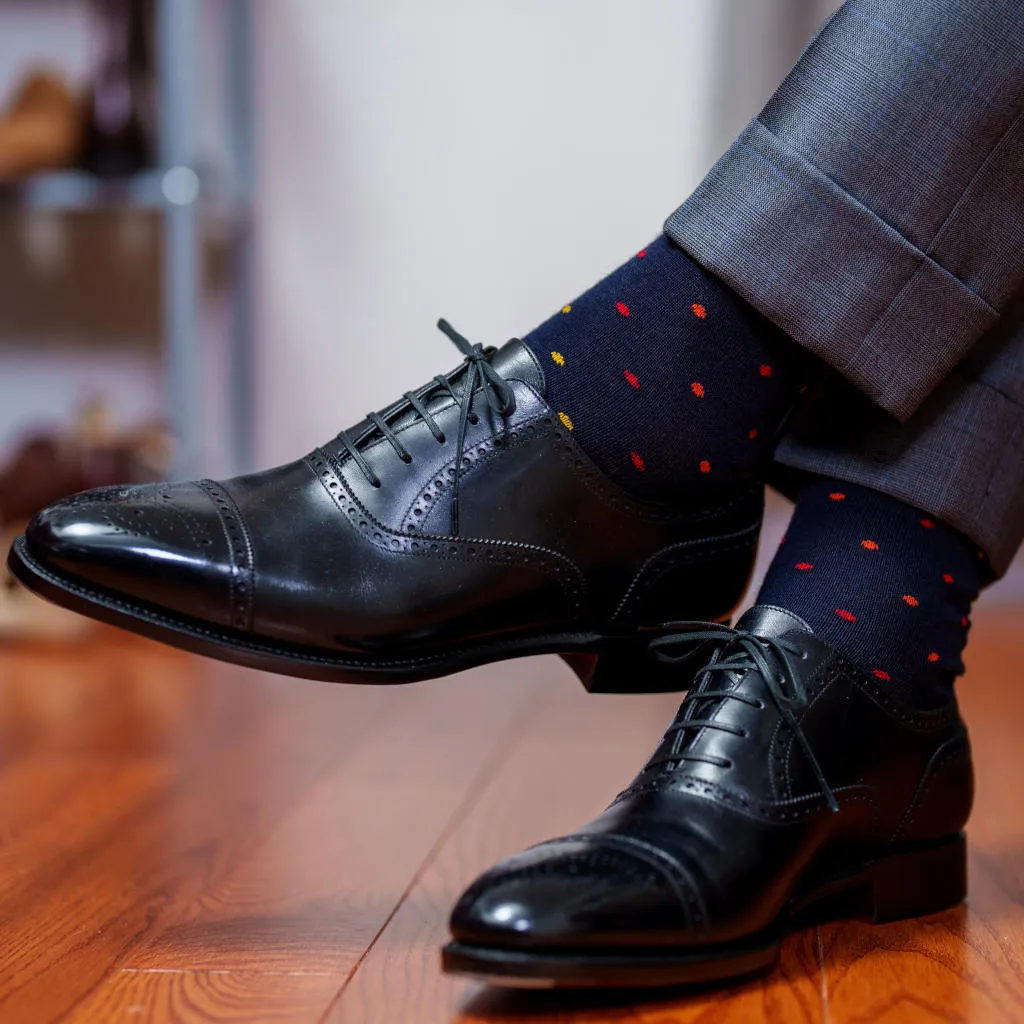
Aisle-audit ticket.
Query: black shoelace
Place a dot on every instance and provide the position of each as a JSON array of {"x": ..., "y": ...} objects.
[
  {"x": 479, "y": 375},
  {"x": 737, "y": 651}
]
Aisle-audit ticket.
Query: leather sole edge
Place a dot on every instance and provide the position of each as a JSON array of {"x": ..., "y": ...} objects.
[
  {"x": 912, "y": 880},
  {"x": 589, "y": 655},
  {"x": 648, "y": 969}
]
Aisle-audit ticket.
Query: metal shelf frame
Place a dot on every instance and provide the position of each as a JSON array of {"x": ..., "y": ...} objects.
[{"x": 178, "y": 23}]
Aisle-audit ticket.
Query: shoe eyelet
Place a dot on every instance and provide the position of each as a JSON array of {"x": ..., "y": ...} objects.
[
  {"x": 743, "y": 734},
  {"x": 727, "y": 765},
  {"x": 474, "y": 420},
  {"x": 761, "y": 704},
  {"x": 804, "y": 655}
]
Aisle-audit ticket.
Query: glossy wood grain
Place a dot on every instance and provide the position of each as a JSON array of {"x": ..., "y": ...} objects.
[{"x": 185, "y": 841}]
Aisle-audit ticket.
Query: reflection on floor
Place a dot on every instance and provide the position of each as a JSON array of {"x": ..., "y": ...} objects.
[{"x": 185, "y": 841}]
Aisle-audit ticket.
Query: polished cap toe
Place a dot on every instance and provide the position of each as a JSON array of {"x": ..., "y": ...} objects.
[
  {"x": 163, "y": 544},
  {"x": 572, "y": 892}
]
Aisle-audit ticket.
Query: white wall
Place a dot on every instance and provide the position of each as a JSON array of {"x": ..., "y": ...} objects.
[{"x": 485, "y": 160}]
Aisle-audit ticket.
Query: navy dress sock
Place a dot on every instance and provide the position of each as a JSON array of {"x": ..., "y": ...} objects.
[
  {"x": 888, "y": 585},
  {"x": 667, "y": 379}
]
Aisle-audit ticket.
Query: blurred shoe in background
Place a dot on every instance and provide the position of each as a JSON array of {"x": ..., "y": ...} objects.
[
  {"x": 110, "y": 130},
  {"x": 120, "y": 107},
  {"x": 41, "y": 128},
  {"x": 53, "y": 465}
]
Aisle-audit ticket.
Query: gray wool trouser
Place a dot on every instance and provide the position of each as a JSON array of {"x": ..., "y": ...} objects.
[{"x": 875, "y": 211}]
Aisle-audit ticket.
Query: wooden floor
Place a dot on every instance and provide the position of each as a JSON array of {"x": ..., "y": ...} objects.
[{"x": 185, "y": 841}]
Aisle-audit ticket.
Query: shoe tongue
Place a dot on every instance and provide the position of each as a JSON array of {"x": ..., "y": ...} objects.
[
  {"x": 768, "y": 620},
  {"x": 514, "y": 361}
]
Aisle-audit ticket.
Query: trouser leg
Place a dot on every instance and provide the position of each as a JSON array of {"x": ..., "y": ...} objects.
[{"x": 874, "y": 209}]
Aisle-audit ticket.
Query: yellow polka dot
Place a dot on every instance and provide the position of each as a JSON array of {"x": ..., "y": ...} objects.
[
  {"x": 558, "y": 358},
  {"x": 566, "y": 422},
  {"x": 567, "y": 309}
]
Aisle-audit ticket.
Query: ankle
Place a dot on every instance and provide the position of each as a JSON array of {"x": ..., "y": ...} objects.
[
  {"x": 887, "y": 584},
  {"x": 669, "y": 380}
]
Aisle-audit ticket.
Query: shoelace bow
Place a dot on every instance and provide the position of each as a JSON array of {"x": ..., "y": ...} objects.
[
  {"x": 478, "y": 375},
  {"x": 738, "y": 651}
]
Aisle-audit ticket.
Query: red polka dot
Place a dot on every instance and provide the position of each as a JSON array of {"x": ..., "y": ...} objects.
[
  {"x": 927, "y": 524},
  {"x": 699, "y": 311},
  {"x": 766, "y": 370},
  {"x": 632, "y": 379},
  {"x": 947, "y": 577},
  {"x": 637, "y": 461},
  {"x": 844, "y": 614},
  {"x": 964, "y": 622},
  {"x": 933, "y": 656},
  {"x": 697, "y": 388},
  {"x": 622, "y": 308},
  {"x": 804, "y": 566},
  {"x": 880, "y": 674},
  {"x": 911, "y": 600},
  {"x": 783, "y": 541},
  {"x": 869, "y": 544},
  {"x": 641, "y": 254},
  {"x": 705, "y": 466},
  {"x": 752, "y": 434},
  {"x": 837, "y": 496}
]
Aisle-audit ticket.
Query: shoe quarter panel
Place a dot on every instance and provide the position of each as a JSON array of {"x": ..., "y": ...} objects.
[
  {"x": 870, "y": 746},
  {"x": 419, "y": 585},
  {"x": 645, "y": 563}
]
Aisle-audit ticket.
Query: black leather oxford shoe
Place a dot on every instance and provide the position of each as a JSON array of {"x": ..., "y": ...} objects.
[
  {"x": 461, "y": 525},
  {"x": 790, "y": 785}
]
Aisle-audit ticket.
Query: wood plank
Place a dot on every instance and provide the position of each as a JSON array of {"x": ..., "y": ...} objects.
[
  {"x": 247, "y": 747},
  {"x": 111, "y": 694},
  {"x": 577, "y": 756},
  {"x": 198, "y": 997},
  {"x": 314, "y": 895},
  {"x": 967, "y": 964},
  {"x": 238, "y": 841}
]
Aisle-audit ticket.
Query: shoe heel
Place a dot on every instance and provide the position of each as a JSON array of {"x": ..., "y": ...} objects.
[
  {"x": 922, "y": 880},
  {"x": 625, "y": 665}
]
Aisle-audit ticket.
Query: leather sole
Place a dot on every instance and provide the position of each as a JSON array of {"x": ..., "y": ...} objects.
[
  {"x": 604, "y": 664},
  {"x": 914, "y": 880}
]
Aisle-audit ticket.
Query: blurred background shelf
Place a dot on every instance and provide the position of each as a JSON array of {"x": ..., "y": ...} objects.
[
  {"x": 79, "y": 191},
  {"x": 150, "y": 231}
]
